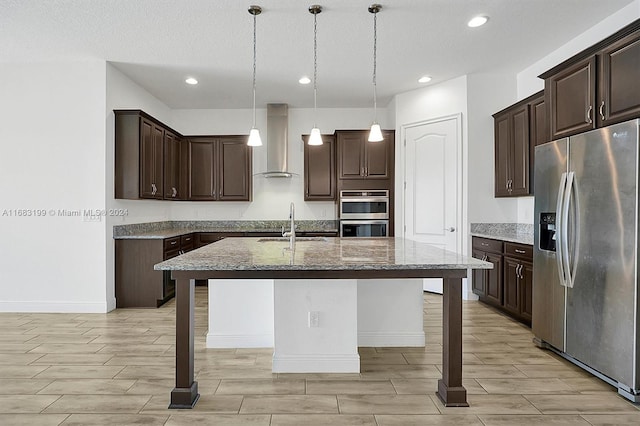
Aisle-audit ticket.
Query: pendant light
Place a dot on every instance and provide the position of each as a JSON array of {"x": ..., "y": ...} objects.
[
  {"x": 254, "y": 135},
  {"x": 315, "y": 138},
  {"x": 375, "y": 135}
]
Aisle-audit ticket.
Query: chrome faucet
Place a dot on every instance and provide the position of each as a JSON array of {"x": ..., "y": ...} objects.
[{"x": 292, "y": 232}]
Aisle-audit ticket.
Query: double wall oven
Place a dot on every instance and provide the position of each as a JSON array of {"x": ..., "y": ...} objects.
[{"x": 364, "y": 213}]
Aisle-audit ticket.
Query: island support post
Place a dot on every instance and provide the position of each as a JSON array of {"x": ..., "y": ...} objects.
[{"x": 185, "y": 394}]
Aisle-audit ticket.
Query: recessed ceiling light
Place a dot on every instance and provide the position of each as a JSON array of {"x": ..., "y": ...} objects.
[
  {"x": 191, "y": 81},
  {"x": 477, "y": 21},
  {"x": 424, "y": 79},
  {"x": 304, "y": 80}
]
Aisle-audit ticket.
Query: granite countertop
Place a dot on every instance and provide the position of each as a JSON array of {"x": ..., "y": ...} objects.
[
  {"x": 319, "y": 254},
  {"x": 513, "y": 232},
  {"x": 169, "y": 229}
]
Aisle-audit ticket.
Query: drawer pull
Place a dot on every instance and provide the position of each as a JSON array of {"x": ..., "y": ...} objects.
[
  {"x": 174, "y": 243},
  {"x": 520, "y": 251},
  {"x": 484, "y": 244}
]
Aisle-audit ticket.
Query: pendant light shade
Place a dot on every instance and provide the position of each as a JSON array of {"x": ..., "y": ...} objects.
[
  {"x": 315, "y": 138},
  {"x": 375, "y": 135},
  {"x": 254, "y": 135},
  {"x": 254, "y": 138}
]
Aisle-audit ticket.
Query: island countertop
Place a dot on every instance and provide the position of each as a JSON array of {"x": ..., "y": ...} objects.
[{"x": 320, "y": 254}]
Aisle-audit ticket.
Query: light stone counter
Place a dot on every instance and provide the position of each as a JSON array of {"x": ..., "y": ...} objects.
[
  {"x": 513, "y": 232},
  {"x": 320, "y": 254},
  {"x": 168, "y": 229}
]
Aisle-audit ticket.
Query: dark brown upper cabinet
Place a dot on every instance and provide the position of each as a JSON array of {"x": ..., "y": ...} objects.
[
  {"x": 151, "y": 160},
  {"x": 202, "y": 169},
  {"x": 139, "y": 155},
  {"x": 360, "y": 159},
  {"x": 320, "y": 169},
  {"x": 619, "y": 95},
  {"x": 219, "y": 168},
  {"x": 515, "y": 130},
  {"x": 597, "y": 87},
  {"x": 572, "y": 98},
  {"x": 173, "y": 156},
  {"x": 234, "y": 169},
  {"x": 154, "y": 161}
]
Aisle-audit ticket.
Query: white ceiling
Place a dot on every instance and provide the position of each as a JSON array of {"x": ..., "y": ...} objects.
[{"x": 158, "y": 43}]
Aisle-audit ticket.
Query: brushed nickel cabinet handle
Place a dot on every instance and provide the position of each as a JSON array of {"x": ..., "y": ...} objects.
[
  {"x": 174, "y": 192},
  {"x": 602, "y": 111},
  {"x": 588, "y": 118},
  {"x": 520, "y": 251}
]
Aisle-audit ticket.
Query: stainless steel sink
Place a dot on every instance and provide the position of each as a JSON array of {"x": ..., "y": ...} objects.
[{"x": 298, "y": 239}]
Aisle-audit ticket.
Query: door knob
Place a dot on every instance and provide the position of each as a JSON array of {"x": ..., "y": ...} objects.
[{"x": 450, "y": 229}]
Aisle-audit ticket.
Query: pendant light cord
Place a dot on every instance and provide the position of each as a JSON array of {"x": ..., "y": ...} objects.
[
  {"x": 375, "y": 50},
  {"x": 254, "y": 71},
  {"x": 315, "y": 66}
]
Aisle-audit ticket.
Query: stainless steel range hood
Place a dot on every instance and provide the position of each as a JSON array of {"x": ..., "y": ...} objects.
[{"x": 277, "y": 141}]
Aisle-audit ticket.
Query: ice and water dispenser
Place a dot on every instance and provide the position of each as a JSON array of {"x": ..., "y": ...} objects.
[{"x": 548, "y": 231}]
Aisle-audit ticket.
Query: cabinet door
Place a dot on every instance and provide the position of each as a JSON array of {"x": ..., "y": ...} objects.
[
  {"x": 350, "y": 156},
  {"x": 538, "y": 124},
  {"x": 519, "y": 184},
  {"x": 511, "y": 285},
  {"x": 202, "y": 173},
  {"x": 151, "y": 160},
  {"x": 320, "y": 170},
  {"x": 478, "y": 275},
  {"x": 619, "y": 76},
  {"x": 526, "y": 290},
  {"x": 572, "y": 99},
  {"x": 377, "y": 164},
  {"x": 502, "y": 136},
  {"x": 234, "y": 168},
  {"x": 493, "y": 285},
  {"x": 172, "y": 151}
]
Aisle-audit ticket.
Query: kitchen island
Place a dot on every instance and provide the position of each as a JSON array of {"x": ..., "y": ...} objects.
[{"x": 320, "y": 261}]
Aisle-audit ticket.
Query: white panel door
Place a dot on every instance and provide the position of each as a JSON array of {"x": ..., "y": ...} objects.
[{"x": 432, "y": 192}]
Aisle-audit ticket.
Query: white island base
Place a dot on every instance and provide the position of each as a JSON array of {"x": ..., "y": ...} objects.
[{"x": 315, "y": 325}]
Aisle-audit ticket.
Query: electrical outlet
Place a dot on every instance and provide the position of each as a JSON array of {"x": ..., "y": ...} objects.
[{"x": 314, "y": 319}]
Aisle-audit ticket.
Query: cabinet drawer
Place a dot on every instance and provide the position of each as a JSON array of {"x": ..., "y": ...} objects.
[
  {"x": 172, "y": 243},
  {"x": 522, "y": 251},
  {"x": 168, "y": 254},
  {"x": 487, "y": 244},
  {"x": 186, "y": 240}
]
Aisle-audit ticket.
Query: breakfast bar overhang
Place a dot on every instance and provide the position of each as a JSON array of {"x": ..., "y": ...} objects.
[{"x": 320, "y": 259}]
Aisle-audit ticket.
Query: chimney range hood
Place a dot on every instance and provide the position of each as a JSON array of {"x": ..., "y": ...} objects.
[{"x": 277, "y": 141}]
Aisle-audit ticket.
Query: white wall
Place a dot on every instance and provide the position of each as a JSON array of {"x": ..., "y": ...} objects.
[
  {"x": 53, "y": 158},
  {"x": 487, "y": 94},
  {"x": 529, "y": 83}
]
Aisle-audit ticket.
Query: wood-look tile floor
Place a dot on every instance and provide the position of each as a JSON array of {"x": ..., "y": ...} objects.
[{"x": 117, "y": 369}]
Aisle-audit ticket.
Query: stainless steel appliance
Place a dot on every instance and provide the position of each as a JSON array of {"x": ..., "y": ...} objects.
[
  {"x": 364, "y": 213},
  {"x": 364, "y": 228},
  {"x": 585, "y": 279},
  {"x": 369, "y": 204}
]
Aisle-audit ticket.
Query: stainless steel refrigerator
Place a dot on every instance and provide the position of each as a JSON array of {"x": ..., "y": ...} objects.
[{"x": 585, "y": 277}]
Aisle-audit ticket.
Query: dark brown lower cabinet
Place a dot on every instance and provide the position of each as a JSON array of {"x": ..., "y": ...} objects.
[
  {"x": 508, "y": 286},
  {"x": 137, "y": 284}
]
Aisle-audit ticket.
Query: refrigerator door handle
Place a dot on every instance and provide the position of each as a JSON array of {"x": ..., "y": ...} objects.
[
  {"x": 559, "y": 229},
  {"x": 565, "y": 229},
  {"x": 572, "y": 269}
]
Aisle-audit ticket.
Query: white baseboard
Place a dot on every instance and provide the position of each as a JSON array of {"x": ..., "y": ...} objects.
[
  {"x": 239, "y": 340},
  {"x": 344, "y": 363},
  {"x": 391, "y": 339},
  {"x": 55, "y": 307}
]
